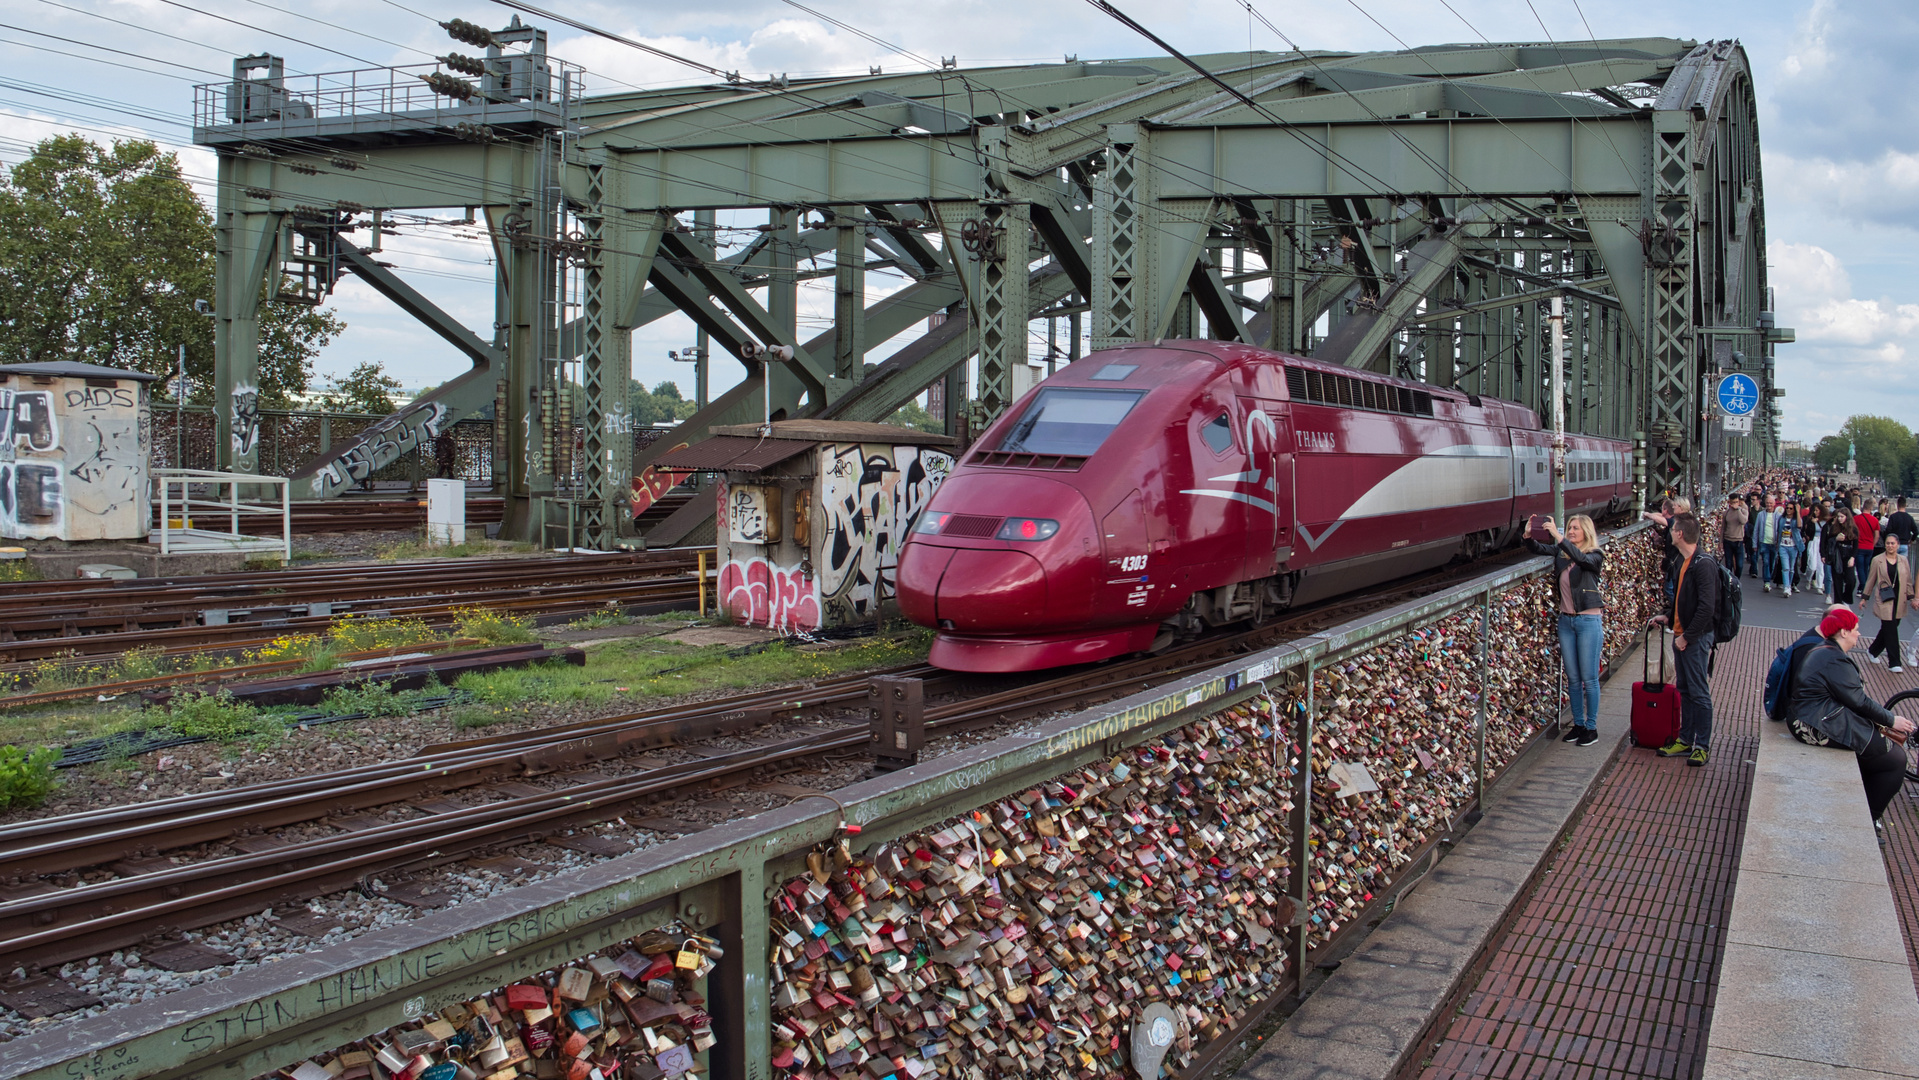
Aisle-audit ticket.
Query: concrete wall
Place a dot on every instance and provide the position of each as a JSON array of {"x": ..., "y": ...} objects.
[{"x": 73, "y": 459}]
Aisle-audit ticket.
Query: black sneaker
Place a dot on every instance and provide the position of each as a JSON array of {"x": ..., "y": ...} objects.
[
  {"x": 1588, "y": 736},
  {"x": 1572, "y": 733}
]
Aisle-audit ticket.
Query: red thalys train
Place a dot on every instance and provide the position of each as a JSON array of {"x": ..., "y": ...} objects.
[{"x": 1145, "y": 493}]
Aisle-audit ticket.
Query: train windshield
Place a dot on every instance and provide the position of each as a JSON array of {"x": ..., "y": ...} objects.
[{"x": 1066, "y": 421}]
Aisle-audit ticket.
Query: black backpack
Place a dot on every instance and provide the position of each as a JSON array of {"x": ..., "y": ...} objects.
[{"x": 1725, "y": 620}]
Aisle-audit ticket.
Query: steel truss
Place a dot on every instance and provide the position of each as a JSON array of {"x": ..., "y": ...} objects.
[{"x": 1412, "y": 212}]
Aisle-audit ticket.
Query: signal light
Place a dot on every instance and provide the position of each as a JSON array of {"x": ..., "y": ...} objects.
[
  {"x": 930, "y": 524},
  {"x": 469, "y": 33},
  {"x": 465, "y": 65},
  {"x": 1028, "y": 529}
]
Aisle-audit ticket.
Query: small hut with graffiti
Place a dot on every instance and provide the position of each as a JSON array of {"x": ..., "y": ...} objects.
[{"x": 812, "y": 515}]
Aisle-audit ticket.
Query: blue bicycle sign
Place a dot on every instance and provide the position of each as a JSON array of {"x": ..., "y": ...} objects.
[{"x": 1738, "y": 395}]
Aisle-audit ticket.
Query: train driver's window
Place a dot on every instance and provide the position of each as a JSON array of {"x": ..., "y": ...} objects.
[
  {"x": 1218, "y": 434},
  {"x": 1063, "y": 420}
]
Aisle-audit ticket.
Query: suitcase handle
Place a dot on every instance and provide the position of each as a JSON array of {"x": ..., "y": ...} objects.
[{"x": 1645, "y": 656}]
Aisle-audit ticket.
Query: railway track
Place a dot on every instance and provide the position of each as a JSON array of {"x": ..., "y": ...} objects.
[
  {"x": 93, "y": 618},
  {"x": 513, "y": 789}
]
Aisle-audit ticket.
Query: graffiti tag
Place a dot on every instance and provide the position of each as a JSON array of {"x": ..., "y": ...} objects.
[{"x": 756, "y": 592}]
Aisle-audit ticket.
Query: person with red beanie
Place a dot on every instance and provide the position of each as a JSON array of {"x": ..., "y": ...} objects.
[{"x": 1830, "y": 708}]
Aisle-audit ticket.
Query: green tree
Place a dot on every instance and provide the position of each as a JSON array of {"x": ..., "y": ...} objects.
[
  {"x": 365, "y": 389},
  {"x": 1884, "y": 448},
  {"x": 913, "y": 415},
  {"x": 663, "y": 404},
  {"x": 103, "y": 251}
]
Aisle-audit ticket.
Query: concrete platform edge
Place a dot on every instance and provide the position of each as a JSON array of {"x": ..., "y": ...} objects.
[{"x": 1374, "y": 1014}]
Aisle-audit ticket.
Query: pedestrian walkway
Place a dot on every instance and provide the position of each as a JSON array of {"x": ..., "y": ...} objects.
[{"x": 1610, "y": 967}]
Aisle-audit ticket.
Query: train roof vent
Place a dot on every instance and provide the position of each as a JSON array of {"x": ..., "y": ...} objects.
[
  {"x": 970, "y": 525},
  {"x": 1422, "y": 403},
  {"x": 1003, "y": 460},
  {"x": 1114, "y": 372},
  {"x": 1296, "y": 383},
  {"x": 1473, "y": 400}
]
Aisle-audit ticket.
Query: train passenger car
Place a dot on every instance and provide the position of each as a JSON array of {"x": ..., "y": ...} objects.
[{"x": 1149, "y": 491}]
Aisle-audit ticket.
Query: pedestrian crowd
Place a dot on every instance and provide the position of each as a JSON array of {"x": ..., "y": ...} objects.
[{"x": 1791, "y": 533}]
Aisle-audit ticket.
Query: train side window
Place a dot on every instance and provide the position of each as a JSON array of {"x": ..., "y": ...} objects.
[
  {"x": 1296, "y": 384},
  {"x": 1218, "y": 434}
]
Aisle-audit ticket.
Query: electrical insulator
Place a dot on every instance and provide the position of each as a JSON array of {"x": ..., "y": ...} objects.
[
  {"x": 465, "y": 65},
  {"x": 469, "y": 33},
  {"x": 442, "y": 83}
]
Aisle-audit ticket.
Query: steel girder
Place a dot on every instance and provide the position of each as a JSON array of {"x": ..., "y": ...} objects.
[{"x": 1403, "y": 211}]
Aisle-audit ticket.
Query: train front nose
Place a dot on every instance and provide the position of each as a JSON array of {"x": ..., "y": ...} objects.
[
  {"x": 973, "y": 591},
  {"x": 970, "y": 570}
]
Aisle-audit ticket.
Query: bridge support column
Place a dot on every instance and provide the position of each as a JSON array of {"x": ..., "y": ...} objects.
[
  {"x": 246, "y": 245},
  {"x": 619, "y": 255}
]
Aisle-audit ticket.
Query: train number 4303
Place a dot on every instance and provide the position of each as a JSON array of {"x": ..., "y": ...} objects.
[{"x": 1133, "y": 562}]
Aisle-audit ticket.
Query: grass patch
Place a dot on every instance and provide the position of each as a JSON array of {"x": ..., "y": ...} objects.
[
  {"x": 475, "y": 717},
  {"x": 643, "y": 668},
  {"x": 379, "y": 699},
  {"x": 600, "y": 620},
  {"x": 18, "y": 570},
  {"x": 420, "y": 549},
  {"x": 218, "y": 717},
  {"x": 491, "y": 627},
  {"x": 26, "y": 776}
]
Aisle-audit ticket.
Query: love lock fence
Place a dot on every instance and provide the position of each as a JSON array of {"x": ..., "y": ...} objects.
[{"x": 1137, "y": 883}]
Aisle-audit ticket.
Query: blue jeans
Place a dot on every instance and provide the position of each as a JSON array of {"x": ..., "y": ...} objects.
[
  {"x": 1580, "y": 640},
  {"x": 1861, "y": 566},
  {"x": 1695, "y": 693},
  {"x": 1735, "y": 549},
  {"x": 1788, "y": 559},
  {"x": 1768, "y": 563}
]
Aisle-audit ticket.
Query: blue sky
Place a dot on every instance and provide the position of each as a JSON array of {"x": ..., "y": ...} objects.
[{"x": 1839, "y": 124}]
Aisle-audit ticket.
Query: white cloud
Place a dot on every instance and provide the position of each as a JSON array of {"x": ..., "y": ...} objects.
[
  {"x": 1880, "y": 191},
  {"x": 1853, "y": 354}
]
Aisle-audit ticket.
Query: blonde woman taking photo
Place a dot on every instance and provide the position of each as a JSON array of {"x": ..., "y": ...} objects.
[{"x": 1577, "y": 561}]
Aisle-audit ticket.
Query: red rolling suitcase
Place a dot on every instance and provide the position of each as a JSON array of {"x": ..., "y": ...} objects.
[{"x": 1655, "y": 705}]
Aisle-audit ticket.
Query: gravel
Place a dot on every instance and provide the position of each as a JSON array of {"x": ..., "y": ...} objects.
[{"x": 123, "y": 978}]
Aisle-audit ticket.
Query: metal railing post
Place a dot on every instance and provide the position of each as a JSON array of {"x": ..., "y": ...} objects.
[
  {"x": 1302, "y": 824},
  {"x": 1485, "y": 674}
]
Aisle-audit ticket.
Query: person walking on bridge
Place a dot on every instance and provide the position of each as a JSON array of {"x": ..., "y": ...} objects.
[
  {"x": 1695, "y": 603},
  {"x": 1732, "y": 534},
  {"x": 1889, "y": 591}
]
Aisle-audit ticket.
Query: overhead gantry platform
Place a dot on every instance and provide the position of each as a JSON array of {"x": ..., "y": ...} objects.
[{"x": 1414, "y": 212}]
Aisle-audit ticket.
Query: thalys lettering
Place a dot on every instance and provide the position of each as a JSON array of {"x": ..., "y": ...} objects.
[{"x": 1254, "y": 480}]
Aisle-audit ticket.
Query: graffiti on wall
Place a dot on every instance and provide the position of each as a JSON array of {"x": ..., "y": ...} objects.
[
  {"x": 246, "y": 420},
  {"x": 382, "y": 444},
  {"x": 758, "y": 592},
  {"x": 870, "y": 495},
  {"x": 651, "y": 483},
  {"x": 106, "y": 460},
  {"x": 73, "y": 463},
  {"x": 32, "y": 503}
]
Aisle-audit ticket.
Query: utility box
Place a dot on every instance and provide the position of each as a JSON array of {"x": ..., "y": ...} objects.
[
  {"x": 74, "y": 442},
  {"x": 812, "y": 516},
  {"x": 445, "y": 512}
]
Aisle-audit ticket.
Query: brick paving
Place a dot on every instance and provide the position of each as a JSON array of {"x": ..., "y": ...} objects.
[
  {"x": 1610, "y": 967},
  {"x": 1902, "y": 817}
]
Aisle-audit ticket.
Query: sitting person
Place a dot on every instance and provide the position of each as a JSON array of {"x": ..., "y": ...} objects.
[
  {"x": 1783, "y": 675},
  {"x": 1830, "y": 708}
]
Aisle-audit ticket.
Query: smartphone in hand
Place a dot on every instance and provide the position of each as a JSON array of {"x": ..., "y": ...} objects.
[{"x": 1536, "y": 529}]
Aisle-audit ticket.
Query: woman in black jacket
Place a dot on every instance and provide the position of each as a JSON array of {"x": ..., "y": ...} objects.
[
  {"x": 1830, "y": 708},
  {"x": 1582, "y": 632}
]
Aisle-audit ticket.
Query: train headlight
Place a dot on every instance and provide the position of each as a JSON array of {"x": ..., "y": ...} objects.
[
  {"x": 930, "y": 523},
  {"x": 1027, "y": 529}
]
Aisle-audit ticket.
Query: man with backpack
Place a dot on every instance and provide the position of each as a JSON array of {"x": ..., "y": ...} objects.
[{"x": 1695, "y": 608}]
